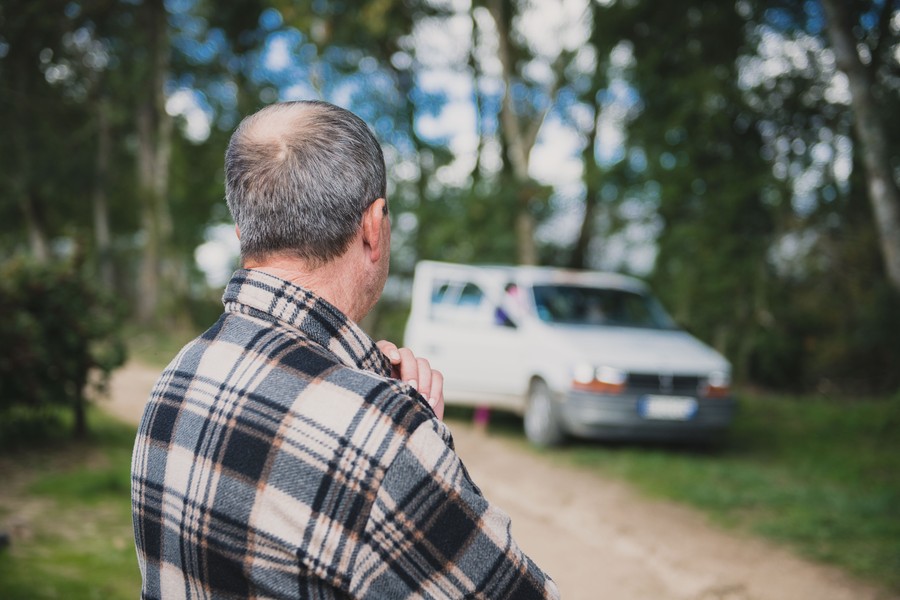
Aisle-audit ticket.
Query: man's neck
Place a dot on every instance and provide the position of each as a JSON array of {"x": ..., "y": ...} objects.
[{"x": 334, "y": 281}]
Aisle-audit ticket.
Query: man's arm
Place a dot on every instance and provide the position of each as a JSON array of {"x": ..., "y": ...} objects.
[{"x": 434, "y": 535}]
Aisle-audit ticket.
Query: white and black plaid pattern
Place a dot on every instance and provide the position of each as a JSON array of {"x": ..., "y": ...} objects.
[{"x": 277, "y": 459}]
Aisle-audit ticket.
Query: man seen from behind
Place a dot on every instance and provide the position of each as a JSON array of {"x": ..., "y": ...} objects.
[{"x": 279, "y": 456}]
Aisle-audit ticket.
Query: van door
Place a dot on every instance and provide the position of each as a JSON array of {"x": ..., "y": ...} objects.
[{"x": 474, "y": 342}]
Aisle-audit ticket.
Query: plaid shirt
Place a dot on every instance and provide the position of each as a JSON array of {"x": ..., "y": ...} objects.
[{"x": 277, "y": 459}]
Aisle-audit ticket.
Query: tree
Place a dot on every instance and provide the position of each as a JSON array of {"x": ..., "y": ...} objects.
[
  {"x": 692, "y": 152},
  {"x": 884, "y": 194},
  {"x": 523, "y": 107},
  {"x": 601, "y": 41},
  {"x": 154, "y": 147},
  {"x": 31, "y": 34},
  {"x": 829, "y": 254},
  {"x": 63, "y": 327}
]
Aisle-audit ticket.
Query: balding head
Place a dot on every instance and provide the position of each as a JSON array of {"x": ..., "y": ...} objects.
[{"x": 298, "y": 177}]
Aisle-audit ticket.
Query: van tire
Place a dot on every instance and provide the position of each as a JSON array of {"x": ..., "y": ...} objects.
[{"x": 542, "y": 427}]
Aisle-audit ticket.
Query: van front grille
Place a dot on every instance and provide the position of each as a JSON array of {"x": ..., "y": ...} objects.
[{"x": 661, "y": 383}]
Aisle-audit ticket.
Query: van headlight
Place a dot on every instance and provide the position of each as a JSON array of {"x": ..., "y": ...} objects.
[
  {"x": 717, "y": 385},
  {"x": 599, "y": 380}
]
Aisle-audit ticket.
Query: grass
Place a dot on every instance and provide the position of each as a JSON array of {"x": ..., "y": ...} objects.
[
  {"x": 65, "y": 504},
  {"x": 819, "y": 475}
]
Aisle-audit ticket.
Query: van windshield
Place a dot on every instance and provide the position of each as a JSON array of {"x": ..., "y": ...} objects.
[{"x": 580, "y": 305}]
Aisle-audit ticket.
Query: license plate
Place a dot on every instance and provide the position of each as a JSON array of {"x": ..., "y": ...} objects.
[{"x": 668, "y": 408}]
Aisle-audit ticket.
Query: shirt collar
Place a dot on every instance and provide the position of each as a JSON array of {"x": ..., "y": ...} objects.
[{"x": 251, "y": 291}]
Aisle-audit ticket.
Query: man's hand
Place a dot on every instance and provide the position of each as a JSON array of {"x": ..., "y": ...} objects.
[{"x": 417, "y": 372}]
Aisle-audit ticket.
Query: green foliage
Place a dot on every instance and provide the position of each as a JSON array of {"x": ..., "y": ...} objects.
[
  {"x": 787, "y": 282},
  {"x": 696, "y": 142},
  {"x": 59, "y": 329},
  {"x": 470, "y": 226},
  {"x": 75, "y": 538},
  {"x": 832, "y": 332}
]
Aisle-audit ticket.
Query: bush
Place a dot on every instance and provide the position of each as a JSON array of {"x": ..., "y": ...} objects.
[{"x": 59, "y": 332}]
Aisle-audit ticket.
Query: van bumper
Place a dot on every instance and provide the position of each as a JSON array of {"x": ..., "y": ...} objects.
[{"x": 643, "y": 417}]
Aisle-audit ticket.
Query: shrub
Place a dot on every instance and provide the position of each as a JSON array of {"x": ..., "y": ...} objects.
[{"x": 60, "y": 335}]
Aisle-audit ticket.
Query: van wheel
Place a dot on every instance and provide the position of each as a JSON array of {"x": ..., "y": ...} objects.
[{"x": 542, "y": 426}]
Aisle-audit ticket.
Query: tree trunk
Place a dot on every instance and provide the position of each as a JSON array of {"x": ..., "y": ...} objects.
[
  {"x": 154, "y": 127},
  {"x": 591, "y": 173},
  {"x": 476, "y": 99},
  {"x": 579, "y": 258},
  {"x": 518, "y": 146},
  {"x": 870, "y": 131},
  {"x": 34, "y": 223},
  {"x": 405, "y": 82},
  {"x": 79, "y": 426},
  {"x": 509, "y": 120},
  {"x": 102, "y": 237},
  {"x": 21, "y": 172},
  {"x": 149, "y": 278}
]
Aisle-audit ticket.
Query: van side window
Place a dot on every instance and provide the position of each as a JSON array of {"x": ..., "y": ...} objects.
[{"x": 459, "y": 302}]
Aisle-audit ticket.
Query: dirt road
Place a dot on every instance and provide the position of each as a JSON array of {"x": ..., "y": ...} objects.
[{"x": 598, "y": 538}]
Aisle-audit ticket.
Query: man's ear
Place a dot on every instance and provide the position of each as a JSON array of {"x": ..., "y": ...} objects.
[
  {"x": 237, "y": 231},
  {"x": 373, "y": 228}
]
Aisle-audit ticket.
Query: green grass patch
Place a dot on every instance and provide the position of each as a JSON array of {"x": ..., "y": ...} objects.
[
  {"x": 819, "y": 475},
  {"x": 23, "y": 428},
  {"x": 66, "y": 505}
]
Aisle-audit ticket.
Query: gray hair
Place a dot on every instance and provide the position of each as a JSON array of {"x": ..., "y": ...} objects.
[{"x": 298, "y": 178}]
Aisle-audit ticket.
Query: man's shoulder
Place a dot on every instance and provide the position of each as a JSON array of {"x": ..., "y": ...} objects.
[
  {"x": 278, "y": 363},
  {"x": 237, "y": 338},
  {"x": 398, "y": 401}
]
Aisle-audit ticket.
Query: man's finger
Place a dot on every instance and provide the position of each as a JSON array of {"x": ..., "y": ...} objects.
[
  {"x": 409, "y": 367},
  {"x": 424, "y": 376},
  {"x": 436, "y": 398},
  {"x": 390, "y": 350}
]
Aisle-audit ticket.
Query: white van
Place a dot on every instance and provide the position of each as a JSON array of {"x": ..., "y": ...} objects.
[{"x": 577, "y": 353}]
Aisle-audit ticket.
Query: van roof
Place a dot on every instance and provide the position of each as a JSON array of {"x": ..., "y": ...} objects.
[{"x": 534, "y": 275}]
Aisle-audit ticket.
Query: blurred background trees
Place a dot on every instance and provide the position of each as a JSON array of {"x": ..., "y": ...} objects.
[
  {"x": 56, "y": 302},
  {"x": 742, "y": 156}
]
